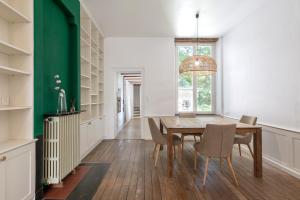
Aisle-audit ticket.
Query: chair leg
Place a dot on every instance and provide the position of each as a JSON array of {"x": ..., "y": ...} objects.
[
  {"x": 182, "y": 142},
  {"x": 154, "y": 150},
  {"x": 174, "y": 151},
  {"x": 157, "y": 154},
  {"x": 240, "y": 150},
  {"x": 195, "y": 139},
  {"x": 221, "y": 162},
  {"x": 250, "y": 150},
  {"x": 205, "y": 172},
  {"x": 195, "y": 160},
  {"x": 180, "y": 150},
  {"x": 232, "y": 171}
]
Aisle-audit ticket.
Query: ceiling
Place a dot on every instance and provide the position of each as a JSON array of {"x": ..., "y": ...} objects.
[{"x": 169, "y": 18}]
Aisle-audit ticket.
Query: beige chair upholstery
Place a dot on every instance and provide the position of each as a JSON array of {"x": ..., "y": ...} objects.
[
  {"x": 188, "y": 115},
  {"x": 245, "y": 138},
  {"x": 161, "y": 139},
  {"x": 217, "y": 142}
]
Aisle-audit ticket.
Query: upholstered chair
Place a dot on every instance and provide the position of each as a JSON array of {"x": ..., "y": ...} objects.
[
  {"x": 217, "y": 142},
  {"x": 245, "y": 138},
  {"x": 188, "y": 115},
  {"x": 161, "y": 139}
]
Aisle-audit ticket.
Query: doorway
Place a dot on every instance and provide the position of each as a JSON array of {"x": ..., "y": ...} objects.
[
  {"x": 136, "y": 100},
  {"x": 129, "y": 104}
]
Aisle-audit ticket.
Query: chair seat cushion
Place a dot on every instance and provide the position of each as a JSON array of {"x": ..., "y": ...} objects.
[
  {"x": 199, "y": 147},
  {"x": 176, "y": 140},
  {"x": 242, "y": 139}
]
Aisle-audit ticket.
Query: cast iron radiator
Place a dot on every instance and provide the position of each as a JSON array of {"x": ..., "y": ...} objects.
[{"x": 61, "y": 147}]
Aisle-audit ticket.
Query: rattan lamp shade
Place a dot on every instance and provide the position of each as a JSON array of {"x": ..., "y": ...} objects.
[{"x": 203, "y": 65}]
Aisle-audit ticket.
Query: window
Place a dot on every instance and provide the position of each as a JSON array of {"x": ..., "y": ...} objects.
[{"x": 195, "y": 92}]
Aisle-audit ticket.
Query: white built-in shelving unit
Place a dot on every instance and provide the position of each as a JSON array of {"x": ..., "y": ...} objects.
[
  {"x": 16, "y": 73},
  {"x": 92, "y": 70}
]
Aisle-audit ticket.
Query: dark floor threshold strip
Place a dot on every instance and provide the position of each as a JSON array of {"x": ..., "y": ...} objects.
[{"x": 86, "y": 189}]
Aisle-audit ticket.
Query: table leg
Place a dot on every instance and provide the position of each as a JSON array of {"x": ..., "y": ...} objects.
[
  {"x": 257, "y": 147},
  {"x": 170, "y": 153},
  {"x": 161, "y": 128}
]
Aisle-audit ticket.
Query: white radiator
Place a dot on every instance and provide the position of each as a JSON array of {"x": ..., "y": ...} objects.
[{"x": 61, "y": 147}]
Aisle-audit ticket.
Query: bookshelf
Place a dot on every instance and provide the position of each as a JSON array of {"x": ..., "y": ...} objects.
[
  {"x": 92, "y": 71},
  {"x": 16, "y": 73}
]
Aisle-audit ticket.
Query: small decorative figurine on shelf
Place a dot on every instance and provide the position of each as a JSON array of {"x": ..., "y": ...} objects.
[
  {"x": 72, "y": 108},
  {"x": 61, "y": 102}
]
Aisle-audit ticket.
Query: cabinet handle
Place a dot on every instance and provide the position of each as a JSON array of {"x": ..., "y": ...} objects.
[{"x": 2, "y": 158}]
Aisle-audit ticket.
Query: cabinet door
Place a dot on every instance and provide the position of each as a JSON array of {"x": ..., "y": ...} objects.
[
  {"x": 91, "y": 137},
  {"x": 101, "y": 128},
  {"x": 2, "y": 180},
  {"x": 83, "y": 139},
  {"x": 97, "y": 130},
  {"x": 19, "y": 169}
]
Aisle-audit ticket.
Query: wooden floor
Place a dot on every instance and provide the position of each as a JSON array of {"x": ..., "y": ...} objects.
[
  {"x": 132, "y": 175},
  {"x": 132, "y": 130}
]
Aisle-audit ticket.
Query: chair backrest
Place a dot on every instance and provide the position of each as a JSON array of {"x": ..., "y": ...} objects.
[
  {"x": 187, "y": 114},
  {"x": 157, "y": 137},
  {"x": 218, "y": 140},
  {"x": 248, "y": 120}
]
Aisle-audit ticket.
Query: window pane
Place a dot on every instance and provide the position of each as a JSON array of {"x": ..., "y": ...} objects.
[
  {"x": 184, "y": 52},
  {"x": 185, "y": 100},
  {"x": 185, "y": 80},
  {"x": 185, "y": 92},
  {"x": 204, "y": 93},
  {"x": 204, "y": 50}
]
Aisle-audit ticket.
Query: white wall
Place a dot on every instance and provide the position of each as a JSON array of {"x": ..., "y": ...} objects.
[
  {"x": 261, "y": 68},
  {"x": 155, "y": 58},
  {"x": 120, "y": 87},
  {"x": 129, "y": 100}
]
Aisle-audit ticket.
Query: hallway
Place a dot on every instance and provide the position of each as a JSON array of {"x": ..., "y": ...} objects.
[{"x": 132, "y": 130}]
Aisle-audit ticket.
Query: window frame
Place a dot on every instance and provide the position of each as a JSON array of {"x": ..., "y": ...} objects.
[{"x": 194, "y": 45}]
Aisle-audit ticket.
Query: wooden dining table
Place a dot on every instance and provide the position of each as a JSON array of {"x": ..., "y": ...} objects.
[{"x": 175, "y": 124}]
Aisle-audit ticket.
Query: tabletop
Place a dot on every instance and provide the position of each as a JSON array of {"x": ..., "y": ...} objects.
[{"x": 200, "y": 122}]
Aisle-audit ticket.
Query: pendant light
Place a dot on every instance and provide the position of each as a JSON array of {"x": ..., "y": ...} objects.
[{"x": 203, "y": 65}]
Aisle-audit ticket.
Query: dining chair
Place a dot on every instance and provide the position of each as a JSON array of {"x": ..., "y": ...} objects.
[
  {"x": 245, "y": 138},
  {"x": 217, "y": 142},
  {"x": 161, "y": 139},
  {"x": 188, "y": 115}
]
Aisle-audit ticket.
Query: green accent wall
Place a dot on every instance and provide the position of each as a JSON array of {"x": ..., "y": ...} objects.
[{"x": 56, "y": 51}]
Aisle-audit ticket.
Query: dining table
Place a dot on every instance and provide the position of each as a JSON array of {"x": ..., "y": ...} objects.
[{"x": 176, "y": 124}]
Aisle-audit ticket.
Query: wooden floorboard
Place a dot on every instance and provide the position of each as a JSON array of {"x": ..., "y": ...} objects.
[{"x": 132, "y": 175}]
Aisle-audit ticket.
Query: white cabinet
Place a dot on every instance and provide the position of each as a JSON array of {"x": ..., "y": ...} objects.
[
  {"x": 91, "y": 133},
  {"x": 83, "y": 139},
  {"x": 2, "y": 180},
  {"x": 17, "y": 173},
  {"x": 99, "y": 127}
]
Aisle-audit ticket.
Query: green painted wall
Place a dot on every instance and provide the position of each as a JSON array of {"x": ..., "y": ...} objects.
[{"x": 56, "y": 51}]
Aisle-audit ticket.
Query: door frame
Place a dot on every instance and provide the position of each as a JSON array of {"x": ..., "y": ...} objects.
[{"x": 142, "y": 94}]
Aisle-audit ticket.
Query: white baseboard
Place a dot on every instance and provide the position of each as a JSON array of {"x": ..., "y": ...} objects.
[
  {"x": 280, "y": 166},
  {"x": 275, "y": 163}
]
